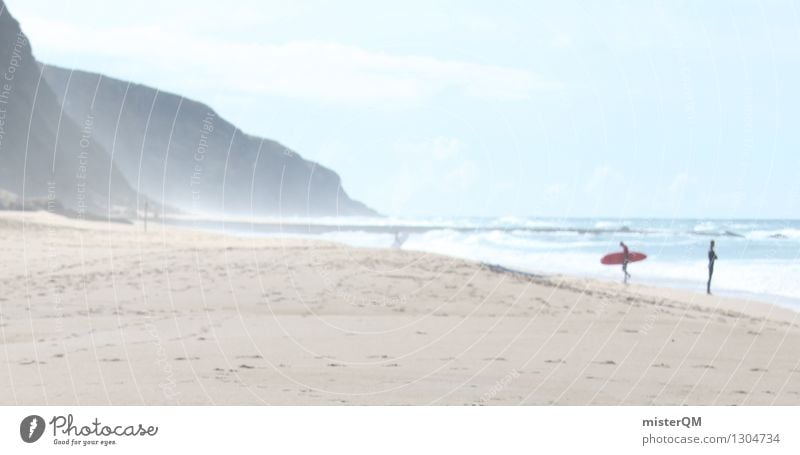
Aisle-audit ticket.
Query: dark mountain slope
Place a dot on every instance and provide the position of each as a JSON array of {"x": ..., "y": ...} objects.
[
  {"x": 181, "y": 153},
  {"x": 42, "y": 153}
]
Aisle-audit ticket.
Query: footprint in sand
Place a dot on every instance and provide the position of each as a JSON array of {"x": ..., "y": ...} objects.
[
  {"x": 554, "y": 361},
  {"x": 660, "y": 365}
]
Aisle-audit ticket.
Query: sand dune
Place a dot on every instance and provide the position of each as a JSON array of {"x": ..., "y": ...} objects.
[{"x": 95, "y": 313}]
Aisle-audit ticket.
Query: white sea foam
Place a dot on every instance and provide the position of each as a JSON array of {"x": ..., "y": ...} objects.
[
  {"x": 788, "y": 233},
  {"x": 762, "y": 260}
]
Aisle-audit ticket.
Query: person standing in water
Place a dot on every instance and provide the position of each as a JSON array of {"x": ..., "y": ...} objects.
[
  {"x": 625, "y": 261},
  {"x": 399, "y": 239},
  {"x": 712, "y": 257}
]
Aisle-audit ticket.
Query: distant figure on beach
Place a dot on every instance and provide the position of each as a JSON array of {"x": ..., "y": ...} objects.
[
  {"x": 625, "y": 261},
  {"x": 399, "y": 239},
  {"x": 712, "y": 257}
]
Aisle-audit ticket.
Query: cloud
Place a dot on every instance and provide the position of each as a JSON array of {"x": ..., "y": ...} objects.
[
  {"x": 312, "y": 70},
  {"x": 440, "y": 148},
  {"x": 562, "y": 40},
  {"x": 461, "y": 177},
  {"x": 603, "y": 177},
  {"x": 428, "y": 169},
  {"x": 678, "y": 184},
  {"x": 556, "y": 191}
]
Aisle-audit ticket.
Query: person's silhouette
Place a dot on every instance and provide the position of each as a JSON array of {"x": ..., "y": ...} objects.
[
  {"x": 625, "y": 261},
  {"x": 712, "y": 257},
  {"x": 399, "y": 239}
]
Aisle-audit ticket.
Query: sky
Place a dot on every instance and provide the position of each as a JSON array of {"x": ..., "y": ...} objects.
[{"x": 624, "y": 109}]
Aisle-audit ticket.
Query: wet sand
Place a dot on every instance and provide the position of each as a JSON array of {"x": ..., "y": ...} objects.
[{"x": 98, "y": 313}]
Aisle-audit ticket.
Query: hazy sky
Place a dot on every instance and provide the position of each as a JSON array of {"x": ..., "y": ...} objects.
[{"x": 623, "y": 108}]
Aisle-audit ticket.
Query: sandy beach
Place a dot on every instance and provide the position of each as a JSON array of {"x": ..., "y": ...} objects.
[{"x": 99, "y": 313}]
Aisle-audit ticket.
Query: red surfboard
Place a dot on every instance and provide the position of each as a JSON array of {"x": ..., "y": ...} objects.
[{"x": 616, "y": 258}]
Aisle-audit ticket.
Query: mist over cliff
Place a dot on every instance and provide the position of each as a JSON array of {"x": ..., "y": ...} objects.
[{"x": 182, "y": 153}]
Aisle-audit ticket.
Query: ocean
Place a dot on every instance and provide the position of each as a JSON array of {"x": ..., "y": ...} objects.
[{"x": 758, "y": 259}]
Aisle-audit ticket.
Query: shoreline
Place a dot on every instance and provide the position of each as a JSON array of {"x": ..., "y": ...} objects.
[
  {"x": 324, "y": 229},
  {"x": 102, "y": 313},
  {"x": 785, "y": 303}
]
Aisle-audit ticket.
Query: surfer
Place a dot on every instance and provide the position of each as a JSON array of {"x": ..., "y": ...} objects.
[
  {"x": 625, "y": 260},
  {"x": 712, "y": 257},
  {"x": 399, "y": 239}
]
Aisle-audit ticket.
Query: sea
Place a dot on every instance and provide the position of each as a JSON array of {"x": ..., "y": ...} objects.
[{"x": 758, "y": 259}]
